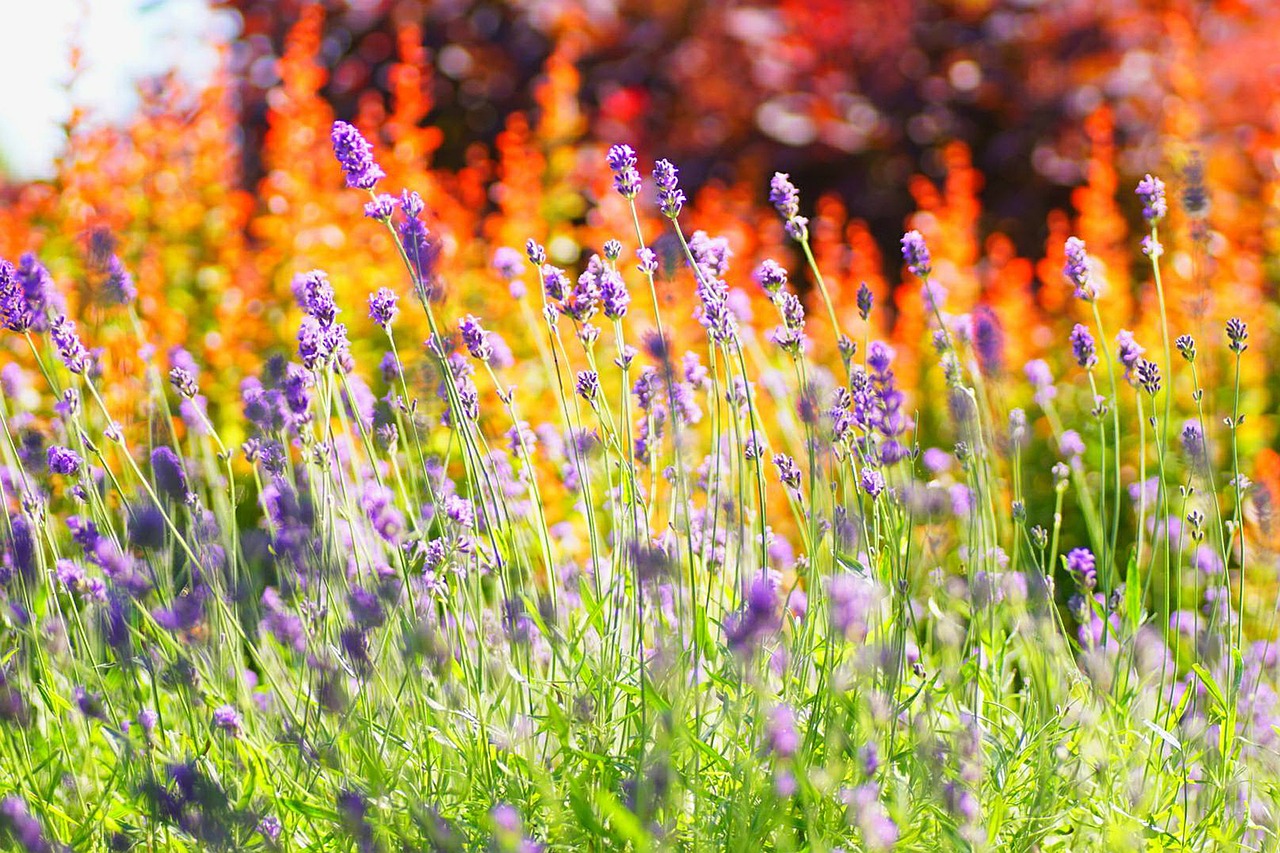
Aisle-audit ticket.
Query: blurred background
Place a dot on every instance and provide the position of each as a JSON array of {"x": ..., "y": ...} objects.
[{"x": 195, "y": 132}]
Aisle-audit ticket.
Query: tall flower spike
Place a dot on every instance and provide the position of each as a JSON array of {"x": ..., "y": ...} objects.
[
  {"x": 355, "y": 155},
  {"x": 1083, "y": 347},
  {"x": 916, "y": 254},
  {"x": 382, "y": 307},
  {"x": 865, "y": 301},
  {"x": 1076, "y": 269},
  {"x": 15, "y": 312},
  {"x": 626, "y": 179},
  {"x": 1151, "y": 191},
  {"x": 670, "y": 197},
  {"x": 786, "y": 200},
  {"x": 70, "y": 351}
]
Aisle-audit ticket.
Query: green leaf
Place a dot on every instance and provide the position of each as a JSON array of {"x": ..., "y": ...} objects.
[{"x": 1133, "y": 592}]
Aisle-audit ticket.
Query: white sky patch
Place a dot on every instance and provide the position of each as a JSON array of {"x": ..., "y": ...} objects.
[{"x": 123, "y": 41}]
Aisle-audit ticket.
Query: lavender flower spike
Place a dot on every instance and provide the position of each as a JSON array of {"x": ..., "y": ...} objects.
[
  {"x": 1151, "y": 191},
  {"x": 626, "y": 179},
  {"x": 1076, "y": 269},
  {"x": 15, "y": 312},
  {"x": 670, "y": 197},
  {"x": 382, "y": 307},
  {"x": 1083, "y": 347},
  {"x": 355, "y": 155},
  {"x": 916, "y": 254}
]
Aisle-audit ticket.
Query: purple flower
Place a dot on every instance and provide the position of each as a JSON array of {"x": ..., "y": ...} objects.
[
  {"x": 587, "y": 384},
  {"x": 1071, "y": 445},
  {"x": 166, "y": 468},
  {"x": 771, "y": 276},
  {"x": 865, "y": 300},
  {"x": 41, "y": 293},
  {"x": 382, "y": 307},
  {"x": 626, "y": 179},
  {"x": 1151, "y": 192},
  {"x": 315, "y": 296},
  {"x": 781, "y": 737},
  {"x": 15, "y": 312},
  {"x": 670, "y": 197},
  {"x": 648, "y": 261},
  {"x": 64, "y": 461},
  {"x": 507, "y": 262},
  {"x": 872, "y": 482},
  {"x": 1130, "y": 352},
  {"x": 614, "y": 297},
  {"x": 382, "y": 208},
  {"x": 1037, "y": 372},
  {"x": 988, "y": 340},
  {"x": 183, "y": 382},
  {"x": 1083, "y": 347},
  {"x": 21, "y": 828},
  {"x": 420, "y": 247},
  {"x": 119, "y": 284},
  {"x": 1148, "y": 375},
  {"x": 1237, "y": 334},
  {"x": 916, "y": 254},
  {"x": 475, "y": 338},
  {"x": 70, "y": 351},
  {"x": 788, "y": 471},
  {"x": 227, "y": 718},
  {"x": 1082, "y": 566},
  {"x": 1193, "y": 444},
  {"x": 783, "y": 196},
  {"x": 355, "y": 156},
  {"x": 1076, "y": 269},
  {"x": 534, "y": 251}
]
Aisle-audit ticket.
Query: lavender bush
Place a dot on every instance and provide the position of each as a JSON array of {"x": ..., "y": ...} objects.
[{"x": 403, "y": 616}]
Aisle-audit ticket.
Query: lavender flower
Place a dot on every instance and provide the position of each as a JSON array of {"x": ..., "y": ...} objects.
[
  {"x": 475, "y": 338},
  {"x": 119, "y": 284},
  {"x": 64, "y": 461},
  {"x": 626, "y": 179},
  {"x": 614, "y": 297},
  {"x": 1077, "y": 269},
  {"x": 988, "y": 340},
  {"x": 1237, "y": 334},
  {"x": 183, "y": 382},
  {"x": 916, "y": 254},
  {"x": 771, "y": 276},
  {"x": 42, "y": 295},
  {"x": 648, "y": 261},
  {"x": 1083, "y": 347},
  {"x": 21, "y": 828},
  {"x": 1081, "y": 565},
  {"x": 587, "y": 384},
  {"x": 781, "y": 737},
  {"x": 15, "y": 312},
  {"x": 1148, "y": 375},
  {"x": 865, "y": 300},
  {"x": 786, "y": 200},
  {"x": 166, "y": 468},
  {"x": 1130, "y": 352},
  {"x": 1151, "y": 192},
  {"x": 788, "y": 471},
  {"x": 70, "y": 351},
  {"x": 872, "y": 482},
  {"x": 355, "y": 156},
  {"x": 227, "y": 718},
  {"x": 382, "y": 208},
  {"x": 535, "y": 252},
  {"x": 383, "y": 308},
  {"x": 315, "y": 296},
  {"x": 507, "y": 262},
  {"x": 1186, "y": 347},
  {"x": 670, "y": 197}
]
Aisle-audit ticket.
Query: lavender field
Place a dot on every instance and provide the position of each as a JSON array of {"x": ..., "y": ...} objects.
[{"x": 629, "y": 537}]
